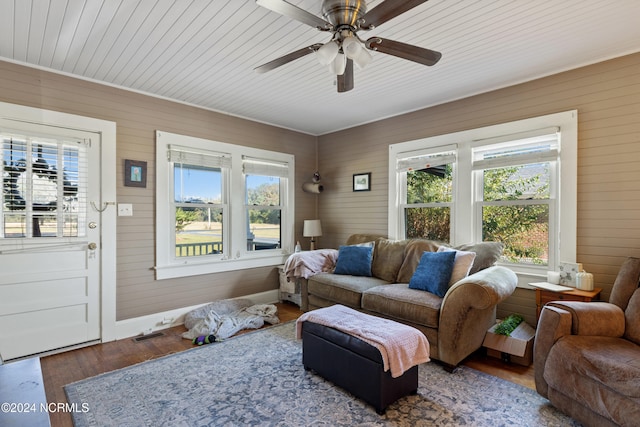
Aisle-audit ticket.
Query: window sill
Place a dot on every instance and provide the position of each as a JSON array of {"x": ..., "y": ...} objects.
[{"x": 218, "y": 266}]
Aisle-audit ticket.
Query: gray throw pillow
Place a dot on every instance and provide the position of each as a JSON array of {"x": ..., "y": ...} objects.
[
  {"x": 487, "y": 254},
  {"x": 387, "y": 259}
]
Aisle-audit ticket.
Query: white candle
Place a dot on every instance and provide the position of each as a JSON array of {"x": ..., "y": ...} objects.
[{"x": 553, "y": 277}]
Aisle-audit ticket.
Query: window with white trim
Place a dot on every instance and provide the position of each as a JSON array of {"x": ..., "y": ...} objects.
[
  {"x": 220, "y": 207},
  {"x": 514, "y": 183},
  {"x": 516, "y": 195}
]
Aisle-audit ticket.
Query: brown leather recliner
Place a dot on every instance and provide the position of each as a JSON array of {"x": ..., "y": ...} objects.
[{"x": 587, "y": 354}]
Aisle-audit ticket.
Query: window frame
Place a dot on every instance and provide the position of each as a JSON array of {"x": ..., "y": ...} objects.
[
  {"x": 235, "y": 254},
  {"x": 446, "y": 151},
  {"x": 467, "y": 228}
]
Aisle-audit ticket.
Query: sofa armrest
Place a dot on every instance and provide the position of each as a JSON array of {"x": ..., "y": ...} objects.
[
  {"x": 554, "y": 323},
  {"x": 559, "y": 319},
  {"x": 469, "y": 309},
  {"x": 593, "y": 318},
  {"x": 484, "y": 289}
]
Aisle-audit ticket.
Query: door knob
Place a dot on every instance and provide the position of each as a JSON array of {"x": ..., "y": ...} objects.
[
  {"x": 92, "y": 246},
  {"x": 92, "y": 225}
]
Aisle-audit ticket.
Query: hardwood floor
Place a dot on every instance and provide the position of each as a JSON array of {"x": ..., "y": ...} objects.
[{"x": 64, "y": 368}]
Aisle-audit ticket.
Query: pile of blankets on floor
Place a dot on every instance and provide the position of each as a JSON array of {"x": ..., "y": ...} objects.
[{"x": 226, "y": 317}]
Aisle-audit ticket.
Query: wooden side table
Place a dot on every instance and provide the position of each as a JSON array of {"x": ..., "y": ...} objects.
[{"x": 544, "y": 296}]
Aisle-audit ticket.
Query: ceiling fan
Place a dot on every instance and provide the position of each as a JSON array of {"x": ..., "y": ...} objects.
[{"x": 343, "y": 19}]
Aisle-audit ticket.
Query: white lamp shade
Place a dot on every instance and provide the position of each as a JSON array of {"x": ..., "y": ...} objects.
[
  {"x": 327, "y": 53},
  {"x": 339, "y": 65},
  {"x": 312, "y": 228},
  {"x": 351, "y": 47},
  {"x": 362, "y": 59}
]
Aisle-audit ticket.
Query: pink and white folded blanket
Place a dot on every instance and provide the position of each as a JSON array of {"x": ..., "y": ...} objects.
[
  {"x": 309, "y": 263},
  {"x": 401, "y": 346}
]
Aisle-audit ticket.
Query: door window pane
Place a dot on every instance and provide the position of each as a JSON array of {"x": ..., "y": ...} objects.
[{"x": 44, "y": 187}]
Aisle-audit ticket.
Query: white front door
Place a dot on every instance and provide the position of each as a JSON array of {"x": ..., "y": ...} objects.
[{"x": 50, "y": 238}]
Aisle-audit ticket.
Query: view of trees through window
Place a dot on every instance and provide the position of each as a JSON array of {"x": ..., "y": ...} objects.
[
  {"x": 426, "y": 188},
  {"x": 515, "y": 208},
  {"x": 263, "y": 212},
  {"x": 516, "y": 211}
]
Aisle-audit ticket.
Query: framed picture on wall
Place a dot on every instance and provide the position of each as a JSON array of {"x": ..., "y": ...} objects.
[
  {"x": 135, "y": 173},
  {"x": 362, "y": 181}
]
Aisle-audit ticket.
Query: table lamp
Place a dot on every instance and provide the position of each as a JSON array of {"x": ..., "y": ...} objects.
[{"x": 312, "y": 228}]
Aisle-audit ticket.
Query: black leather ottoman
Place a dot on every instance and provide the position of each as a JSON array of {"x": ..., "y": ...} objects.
[{"x": 354, "y": 365}]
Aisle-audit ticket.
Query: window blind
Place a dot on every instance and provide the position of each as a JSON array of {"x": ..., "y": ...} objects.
[
  {"x": 539, "y": 149},
  {"x": 254, "y": 166},
  {"x": 194, "y": 157},
  {"x": 424, "y": 162}
]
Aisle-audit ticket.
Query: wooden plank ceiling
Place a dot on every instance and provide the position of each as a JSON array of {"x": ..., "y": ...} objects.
[{"x": 202, "y": 52}]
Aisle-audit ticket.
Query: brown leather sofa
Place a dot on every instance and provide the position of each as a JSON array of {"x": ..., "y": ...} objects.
[
  {"x": 587, "y": 354},
  {"x": 455, "y": 324}
]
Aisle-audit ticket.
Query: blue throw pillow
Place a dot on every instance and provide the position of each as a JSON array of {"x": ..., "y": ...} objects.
[
  {"x": 354, "y": 260},
  {"x": 433, "y": 272}
]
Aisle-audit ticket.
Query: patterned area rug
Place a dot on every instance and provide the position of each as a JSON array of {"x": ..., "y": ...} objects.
[{"x": 258, "y": 379}]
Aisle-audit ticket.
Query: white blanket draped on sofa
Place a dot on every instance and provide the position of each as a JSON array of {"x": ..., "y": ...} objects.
[{"x": 306, "y": 264}]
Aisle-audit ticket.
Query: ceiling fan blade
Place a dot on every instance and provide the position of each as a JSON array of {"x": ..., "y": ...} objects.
[
  {"x": 404, "y": 51},
  {"x": 287, "y": 58},
  {"x": 387, "y": 10},
  {"x": 294, "y": 12},
  {"x": 345, "y": 80}
]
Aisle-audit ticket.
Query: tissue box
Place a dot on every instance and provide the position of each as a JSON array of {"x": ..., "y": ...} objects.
[{"x": 516, "y": 348}]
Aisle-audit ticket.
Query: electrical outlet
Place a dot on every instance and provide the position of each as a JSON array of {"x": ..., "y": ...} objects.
[{"x": 125, "y": 209}]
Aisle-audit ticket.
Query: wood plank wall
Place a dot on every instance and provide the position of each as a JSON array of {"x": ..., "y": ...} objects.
[
  {"x": 137, "y": 117},
  {"x": 607, "y": 97}
]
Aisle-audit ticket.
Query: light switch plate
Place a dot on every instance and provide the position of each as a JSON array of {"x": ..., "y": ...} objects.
[{"x": 125, "y": 209}]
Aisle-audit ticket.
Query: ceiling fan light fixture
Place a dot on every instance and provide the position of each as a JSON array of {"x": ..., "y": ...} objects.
[{"x": 327, "y": 53}]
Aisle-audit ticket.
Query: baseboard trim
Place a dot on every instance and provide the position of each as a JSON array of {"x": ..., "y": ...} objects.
[{"x": 155, "y": 322}]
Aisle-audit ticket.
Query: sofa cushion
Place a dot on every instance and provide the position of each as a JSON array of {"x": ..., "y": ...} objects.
[
  {"x": 345, "y": 290},
  {"x": 412, "y": 254},
  {"x": 596, "y": 371},
  {"x": 354, "y": 260},
  {"x": 404, "y": 304},
  {"x": 433, "y": 272},
  {"x": 487, "y": 254},
  {"x": 387, "y": 258},
  {"x": 632, "y": 318},
  {"x": 462, "y": 265}
]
